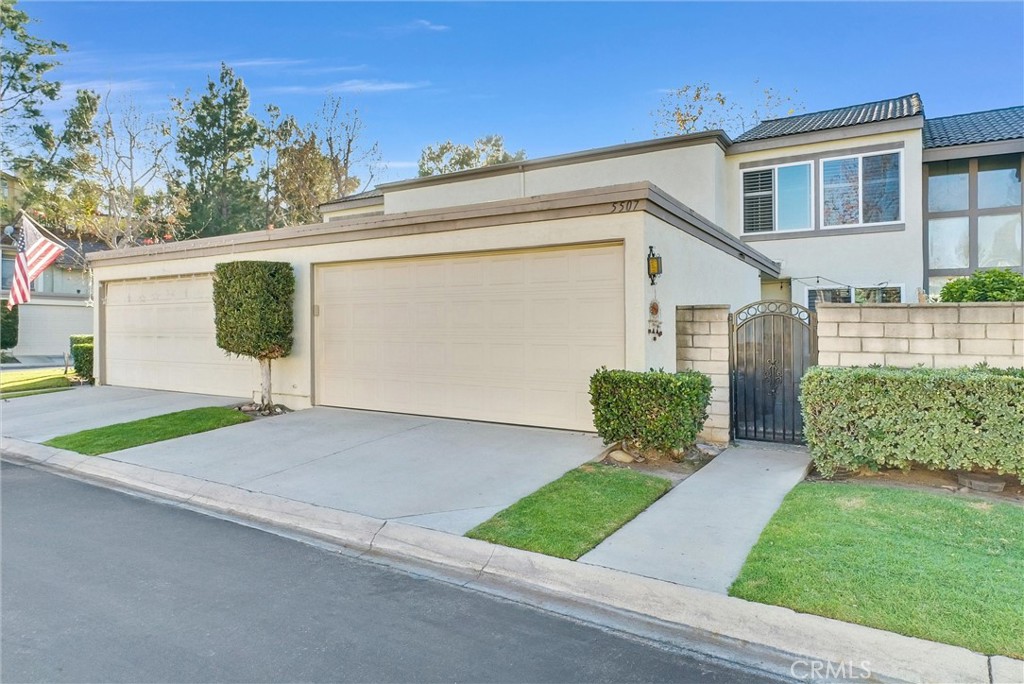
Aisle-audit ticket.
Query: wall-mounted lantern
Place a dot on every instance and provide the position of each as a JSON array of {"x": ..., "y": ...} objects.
[{"x": 653, "y": 264}]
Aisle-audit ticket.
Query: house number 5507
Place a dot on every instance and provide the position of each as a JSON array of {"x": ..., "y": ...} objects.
[{"x": 627, "y": 205}]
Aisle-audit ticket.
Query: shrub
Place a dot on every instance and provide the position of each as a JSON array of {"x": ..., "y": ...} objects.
[
  {"x": 8, "y": 326},
  {"x": 252, "y": 303},
  {"x": 992, "y": 285},
  {"x": 653, "y": 410},
  {"x": 942, "y": 419},
  {"x": 82, "y": 356},
  {"x": 80, "y": 339}
]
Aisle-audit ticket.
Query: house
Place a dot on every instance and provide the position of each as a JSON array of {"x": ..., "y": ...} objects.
[
  {"x": 60, "y": 305},
  {"x": 494, "y": 293}
]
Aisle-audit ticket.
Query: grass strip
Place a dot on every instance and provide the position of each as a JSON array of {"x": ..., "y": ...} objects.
[
  {"x": 921, "y": 564},
  {"x": 29, "y": 393},
  {"x": 570, "y": 516},
  {"x": 33, "y": 379},
  {"x": 148, "y": 430}
]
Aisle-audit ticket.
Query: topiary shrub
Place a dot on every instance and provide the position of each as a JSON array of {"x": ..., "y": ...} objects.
[
  {"x": 82, "y": 355},
  {"x": 252, "y": 303},
  {"x": 81, "y": 339},
  {"x": 942, "y": 419},
  {"x": 653, "y": 410},
  {"x": 8, "y": 326},
  {"x": 992, "y": 285}
]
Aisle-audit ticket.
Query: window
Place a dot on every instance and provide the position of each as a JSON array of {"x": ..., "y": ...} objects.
[
  {"x": 861, "y": 190},
  {"x": 973, "y": 217},
  {"x": 875, "y": 294},
  {"x": 777, "y": 198},
  {"x": 6, "y": 272}
]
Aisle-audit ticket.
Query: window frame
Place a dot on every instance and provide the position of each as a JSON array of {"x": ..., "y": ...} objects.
[
  {"x": 852, "y": 288},
  {"x": 901, "y": 217},
  {"x": 972, "y": 213},
  {"x": 775, "y": 195}
]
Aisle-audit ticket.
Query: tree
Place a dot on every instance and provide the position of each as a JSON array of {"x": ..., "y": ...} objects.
[
  {"x": 252, "y": 303},
  {"x": 302, "y": 175},
  {"x": 59, "y": 171},
  {"x": 448, "y": 157},
  {"x": 342, "y": 134},
  {"x": 215, "y": 143},
  {"x": 24, "y": 86},
  {"x": 133, "y": 170},
  {"x": 698, "y": 107},
  {"x": 8, "y": 326}
]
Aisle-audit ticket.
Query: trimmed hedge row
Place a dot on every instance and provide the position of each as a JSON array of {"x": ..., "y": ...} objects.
[
  {"x": 653, "y": 410},
  {"x": 942, "y": 419},
  {"x": 82, "y": 356}
]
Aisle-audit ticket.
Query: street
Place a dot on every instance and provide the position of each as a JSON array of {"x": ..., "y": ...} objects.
[{"x": 102, "y": 586}]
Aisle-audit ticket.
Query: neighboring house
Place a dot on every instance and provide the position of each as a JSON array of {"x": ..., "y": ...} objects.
[
  {"x": 494, "y": 293},
  {"x": 60, "y": 304}
]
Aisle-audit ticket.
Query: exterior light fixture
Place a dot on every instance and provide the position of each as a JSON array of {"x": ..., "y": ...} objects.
[{"x": 653, "y": 265}]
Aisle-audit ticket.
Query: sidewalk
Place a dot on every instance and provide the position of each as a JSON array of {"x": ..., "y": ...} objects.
[{"x": 700, "y": 533}]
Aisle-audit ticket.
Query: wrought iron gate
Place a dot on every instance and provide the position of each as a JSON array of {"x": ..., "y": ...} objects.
[{"x": 774, "y": 342}]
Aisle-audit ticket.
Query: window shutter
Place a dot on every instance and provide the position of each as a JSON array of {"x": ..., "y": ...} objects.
[{"x": 758, "y": 210}]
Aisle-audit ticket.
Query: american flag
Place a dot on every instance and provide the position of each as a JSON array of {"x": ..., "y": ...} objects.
[{"x": 35, "y": 253}]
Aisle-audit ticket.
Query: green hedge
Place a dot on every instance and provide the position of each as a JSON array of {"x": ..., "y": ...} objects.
[
  {"x": 80, "y": 339},
  {"x": 253, "y": 308},
  {"x": 82, "y": 356},
  {"x": 942, "y": 419},
  {"x": 653, "y": 410},
  {"x": 8, "y": 326}
]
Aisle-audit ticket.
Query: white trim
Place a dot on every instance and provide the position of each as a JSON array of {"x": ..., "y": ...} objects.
[
  {"x": 774, "y": 195},
  {"x": 860, "y": 189}
]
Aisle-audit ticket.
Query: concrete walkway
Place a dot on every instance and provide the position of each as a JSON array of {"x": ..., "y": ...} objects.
[{"x": 700, "y": 533}]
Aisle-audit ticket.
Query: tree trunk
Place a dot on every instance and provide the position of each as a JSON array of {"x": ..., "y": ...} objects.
[{"x": 266, "y": 403}]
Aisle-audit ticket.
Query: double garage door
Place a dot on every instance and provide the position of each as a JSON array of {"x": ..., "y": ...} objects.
[{"x": 510, "y": 337}]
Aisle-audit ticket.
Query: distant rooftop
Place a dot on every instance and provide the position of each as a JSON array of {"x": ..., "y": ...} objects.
[
  {"x": 976, "y": 127},
  {"x": 366, "y": 194},
  {"x": 884, "y": 110}
]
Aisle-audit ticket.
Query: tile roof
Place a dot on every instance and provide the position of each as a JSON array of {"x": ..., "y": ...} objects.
[
  {"x": 885, "y": 110},
  {"x": 366, "y": 194},
  {"x": 976, "y": 127}
]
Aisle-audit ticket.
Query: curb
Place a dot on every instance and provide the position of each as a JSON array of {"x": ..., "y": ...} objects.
[{"x": 776, "y": 640}]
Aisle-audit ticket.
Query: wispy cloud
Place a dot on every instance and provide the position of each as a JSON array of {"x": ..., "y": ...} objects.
[
  {"x": 414, "y": 26},
  {"x": 401, "y": 165},
  {"x": 354, "y": 85}
]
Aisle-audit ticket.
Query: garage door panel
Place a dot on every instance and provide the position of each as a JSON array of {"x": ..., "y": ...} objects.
[
  {"x": 160, "y": 334},
  {"x": 508, "y": 337}
]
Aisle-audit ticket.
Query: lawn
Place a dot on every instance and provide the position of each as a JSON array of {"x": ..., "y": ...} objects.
[
  {"x": 922, "y": 564},
  {"x": 148, "y": 430},
  {"x": 17, "y": 382},
  {"x": 573, "y": 514}
]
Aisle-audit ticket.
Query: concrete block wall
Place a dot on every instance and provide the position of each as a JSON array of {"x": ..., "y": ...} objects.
[
  {"x": 702, "y": 344},
  {"x": 935, "y": 335}
]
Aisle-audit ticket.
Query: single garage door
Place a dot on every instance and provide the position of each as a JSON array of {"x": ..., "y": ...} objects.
[
  {"x": 510, "y": 337},
  {"x": 159, "y": 334}
]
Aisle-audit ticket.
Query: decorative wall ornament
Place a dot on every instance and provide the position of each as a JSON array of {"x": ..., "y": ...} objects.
[{"x": 654, "y": 322}]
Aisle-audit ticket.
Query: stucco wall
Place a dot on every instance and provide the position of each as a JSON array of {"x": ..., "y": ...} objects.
[
  {"x": 46, "y": 323},
  {"x": 691, "y": 174},
  {"x": 933, "y": 335},
  {"x": 865, "y": 259},
  {"x": 694, "y": 273}
]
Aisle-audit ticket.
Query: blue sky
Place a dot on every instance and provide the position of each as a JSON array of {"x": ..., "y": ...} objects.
[{"x": 551, "y": 78}]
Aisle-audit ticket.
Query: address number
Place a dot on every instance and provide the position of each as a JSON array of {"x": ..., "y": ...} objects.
[{"x": 627, "y": 205}]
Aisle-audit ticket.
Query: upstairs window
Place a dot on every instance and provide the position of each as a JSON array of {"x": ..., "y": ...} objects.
[
  {"x": 777, "y": 198},
  {"x": 861, "y": 190}
]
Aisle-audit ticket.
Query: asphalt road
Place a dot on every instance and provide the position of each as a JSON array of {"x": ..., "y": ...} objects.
[{"x": 101, "y": 586}]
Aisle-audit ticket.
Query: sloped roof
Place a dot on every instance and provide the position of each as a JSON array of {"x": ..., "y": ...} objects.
[
  {"x": 870, "y": 112},
  {"x": 366, "y": 194},
  {"x": 976, "y": 127}
]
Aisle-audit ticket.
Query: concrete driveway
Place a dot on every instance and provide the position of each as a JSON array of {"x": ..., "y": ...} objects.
[
  {"x": 443, "y": 474},
  {"x": 41, "y": 417}
]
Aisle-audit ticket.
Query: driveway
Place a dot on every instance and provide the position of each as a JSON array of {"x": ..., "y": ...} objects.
[
  {"x": 44, "y": 416},
  {"x": 448, "y": 475}
]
